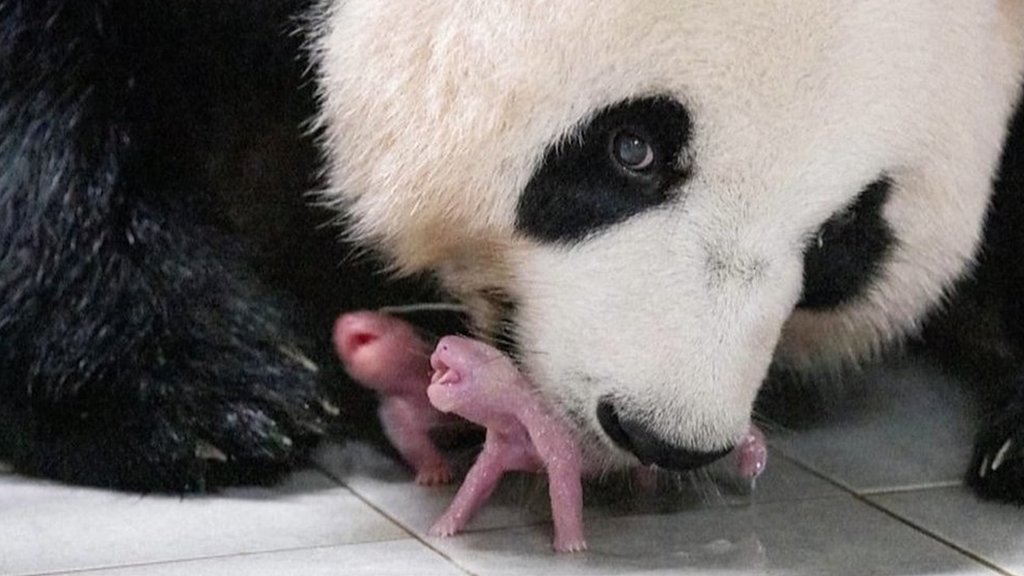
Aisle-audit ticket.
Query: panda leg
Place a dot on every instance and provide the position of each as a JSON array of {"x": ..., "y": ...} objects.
[
  {"x": 135, "y": 350},
  {"x": 997, "y": 467},
  {"x": 193, "y": 444},
  {"x": 164, "y": 369}
]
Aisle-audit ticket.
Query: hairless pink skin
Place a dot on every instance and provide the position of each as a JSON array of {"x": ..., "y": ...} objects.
[
  {"x": 481, "y": 384},
  {"x": 385, "y": 354},
  {"x": 751, "y": 454}
]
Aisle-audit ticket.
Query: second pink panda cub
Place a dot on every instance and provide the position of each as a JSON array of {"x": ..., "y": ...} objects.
[{"x": 386, "y": 355}]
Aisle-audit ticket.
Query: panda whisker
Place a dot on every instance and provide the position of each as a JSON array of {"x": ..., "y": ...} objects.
[
  {"x": 706, "y": 485},
  {"x": 766, "y": 423},
  {"x": 402, "y": 309}
]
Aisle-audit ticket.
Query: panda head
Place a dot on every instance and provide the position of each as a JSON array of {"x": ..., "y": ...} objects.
[{"x": 656, "y": 200}]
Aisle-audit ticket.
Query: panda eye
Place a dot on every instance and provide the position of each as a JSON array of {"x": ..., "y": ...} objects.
[
  {"x": 631, "y": 151},
  {"x": 622, "y": 161}
]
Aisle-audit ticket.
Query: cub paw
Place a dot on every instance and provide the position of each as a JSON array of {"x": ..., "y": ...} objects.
[{"x": 436, "y": 475}]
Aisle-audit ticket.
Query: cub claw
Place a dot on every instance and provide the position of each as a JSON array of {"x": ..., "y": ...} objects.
[
  {"x": 570, "y": 545},
  {"x": 445, "y": 527}
]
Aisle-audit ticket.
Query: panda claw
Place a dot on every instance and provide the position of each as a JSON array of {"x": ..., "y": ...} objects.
[
  {"x": 1001, "y": 454},
  {"x": 997, "y": 470},
  {"x": 296, "y": 355},
  {"x": 207, "y": 451},
  {"x": 329, "y": 408}
]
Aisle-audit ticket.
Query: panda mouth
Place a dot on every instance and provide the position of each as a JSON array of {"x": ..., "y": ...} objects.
[{"x": 443, "y": 375}]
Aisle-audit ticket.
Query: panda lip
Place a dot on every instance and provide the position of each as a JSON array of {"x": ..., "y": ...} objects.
[{"x": 443, "y": 374}]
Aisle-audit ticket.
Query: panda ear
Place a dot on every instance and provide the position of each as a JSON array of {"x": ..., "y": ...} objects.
[
  {"x": 584, "y": 183},
  {"x": 849, "y": 250}
]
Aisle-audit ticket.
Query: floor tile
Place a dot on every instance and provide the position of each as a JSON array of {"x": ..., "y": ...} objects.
[
  {"x": 389, "y": 486},
  {"x": 835, "y": 536},
  {"x": 48, "y": 527},
  {"x": 901, "y": 426},
  {"x": 523, "y": 499},
  {"x": 397, "y": 558},
  {"x": 992, "y": 531}
]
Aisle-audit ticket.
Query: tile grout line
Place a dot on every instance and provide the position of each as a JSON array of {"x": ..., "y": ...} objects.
[
  {"x": 396, "y": 522},
  {"x": 914, "y": 488},
  {"x": 937, "y": 537},
  {"x": 242, "y": 554},
  {"x": 865, "y": 498},
  {"x": 205, "y": 558},
  {"x": 823, "y": 475}
]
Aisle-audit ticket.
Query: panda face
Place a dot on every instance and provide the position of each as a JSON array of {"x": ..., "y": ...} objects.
[{"x": 654, "y": 201}]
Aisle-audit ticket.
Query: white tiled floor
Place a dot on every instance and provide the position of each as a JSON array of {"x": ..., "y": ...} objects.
[
  {"x": 875, "y": 491},
  {"x": 907, "y": 425}
]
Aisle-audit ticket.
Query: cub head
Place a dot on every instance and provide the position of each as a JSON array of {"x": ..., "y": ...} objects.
[{"x": 654, "y": 201}]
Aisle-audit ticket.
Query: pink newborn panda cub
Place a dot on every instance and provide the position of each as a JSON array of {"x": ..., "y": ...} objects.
[
  {"x": 482, "y": 385},
  {"x": 479, "y": 383},
  {"x": 386, "y": 355}
]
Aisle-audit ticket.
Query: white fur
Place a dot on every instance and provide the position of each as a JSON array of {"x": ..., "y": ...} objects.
[{"x": 436, "y": 114}]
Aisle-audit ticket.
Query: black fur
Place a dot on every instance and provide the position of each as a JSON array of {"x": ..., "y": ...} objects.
[
  {"x": 997, "y": 467},
  {"x": 579, "y": 188},
  {"x": 849, "y": 251},
  {"x": 142, "y": 344}
]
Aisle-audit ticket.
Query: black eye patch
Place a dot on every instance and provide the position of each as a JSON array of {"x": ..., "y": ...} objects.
[
  {"x": 622, "y": 162},
  {"x": 849, "y": 250}
]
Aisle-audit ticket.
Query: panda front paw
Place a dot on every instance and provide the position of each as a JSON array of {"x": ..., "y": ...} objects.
[
  {"x": 188, "y": 427},
  {"x": 251, "y": 425},
  {"x": 997, "y": 467}
]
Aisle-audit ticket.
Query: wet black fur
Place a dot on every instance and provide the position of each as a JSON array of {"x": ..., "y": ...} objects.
[{"x": 159, "y": 269}]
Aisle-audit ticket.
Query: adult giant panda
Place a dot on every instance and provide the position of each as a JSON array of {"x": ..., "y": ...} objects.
[
  {"x": 659, "y": 201},
  {"x": 163, "y": 287}
]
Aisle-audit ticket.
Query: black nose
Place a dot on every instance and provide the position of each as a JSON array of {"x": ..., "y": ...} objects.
[{"x": 648, "y": 447}]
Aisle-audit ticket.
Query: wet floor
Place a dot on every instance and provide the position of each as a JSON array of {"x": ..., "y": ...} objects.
[{"x": 873, "y": 489}]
